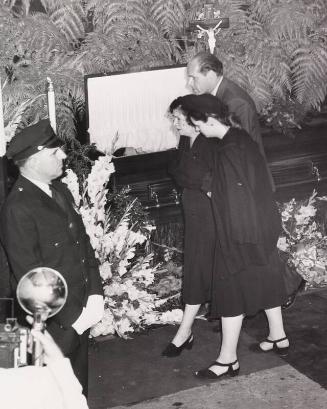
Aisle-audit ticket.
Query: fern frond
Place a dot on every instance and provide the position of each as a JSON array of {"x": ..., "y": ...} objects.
[
  {"x": 43, "y": 37},
  {"x": 309, "y": 74},
  {"x": 168, "y": 14},
  {"x": 101, "y": 55},
  {"x": 66, "y": 118},
  {"x": 289, "y": 21},
  {"x": 261, "y": 10},
  {"x": 118, "y": 17},
  {"x": 69, "y": 19}
]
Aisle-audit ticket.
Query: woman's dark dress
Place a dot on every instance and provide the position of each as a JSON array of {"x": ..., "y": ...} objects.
[
  {"x": 247, "y": 269},
  {"x": 191, "y": 171}
]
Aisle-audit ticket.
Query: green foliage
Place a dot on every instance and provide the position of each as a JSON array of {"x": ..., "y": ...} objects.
[
  {"x": 275, "y": 50},
  {"x": 285, "y": 56},
  {"x": 80, "y": 158},
  {"x": 119, "y": 200}
]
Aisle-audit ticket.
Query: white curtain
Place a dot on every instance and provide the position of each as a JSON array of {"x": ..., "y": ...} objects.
[{"x": 130, "y": 110}]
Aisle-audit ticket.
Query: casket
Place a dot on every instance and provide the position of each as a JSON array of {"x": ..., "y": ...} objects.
[
  {"x": 130, "y": 110},
  {"x": 298, "y": 165},
  {"x": 148, "y": 179}
]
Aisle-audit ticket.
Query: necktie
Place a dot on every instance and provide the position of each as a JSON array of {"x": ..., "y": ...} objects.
[{"x": 58, "y": 198}]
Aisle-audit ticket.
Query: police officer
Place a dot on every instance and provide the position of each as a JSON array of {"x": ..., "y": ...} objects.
[{"x": 40, "y": 227}]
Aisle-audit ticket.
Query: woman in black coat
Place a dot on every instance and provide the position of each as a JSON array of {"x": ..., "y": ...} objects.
[
  {"x": 191, "y": 172},
  {"x": 247, "y": 274}
]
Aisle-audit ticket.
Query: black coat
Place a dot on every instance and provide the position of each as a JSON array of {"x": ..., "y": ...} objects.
[
  {"x": 36, "y": 232},
  {"x": 247, "y": 219}
]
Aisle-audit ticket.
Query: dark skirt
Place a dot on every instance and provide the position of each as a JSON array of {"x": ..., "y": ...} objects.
[
  {"x": 199, "y": 245},
  {"x": 250, "y": 290}
]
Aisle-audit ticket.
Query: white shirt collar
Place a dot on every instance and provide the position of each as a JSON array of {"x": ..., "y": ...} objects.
[
  {"x": 43, "y": 186},
  {"x": 214, "y": 91}
]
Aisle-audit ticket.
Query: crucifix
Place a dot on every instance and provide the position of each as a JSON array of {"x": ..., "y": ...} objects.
[
  {"x": 208, "y": 23},
  {"x": 211, "y": 33}
]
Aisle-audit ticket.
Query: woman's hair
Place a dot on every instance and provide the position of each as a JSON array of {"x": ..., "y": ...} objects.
[
  {"x": 202, "y": 107},
  {"x": 182, "y": 103}
]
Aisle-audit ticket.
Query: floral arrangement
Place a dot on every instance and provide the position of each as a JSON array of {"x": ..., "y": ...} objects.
[
  {"x": 128, "y": 273},
  {"x": 141, "y": 291},
  {"x": 304, "y": 238}
]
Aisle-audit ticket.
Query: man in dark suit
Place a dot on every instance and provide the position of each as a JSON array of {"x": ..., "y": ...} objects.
[
  {"x": 41, "y": 227},
  {"x": 205, "y": 75}
]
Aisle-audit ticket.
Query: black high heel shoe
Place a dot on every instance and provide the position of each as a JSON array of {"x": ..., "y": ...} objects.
[
  {"x": 281, "y": 351},
  {"x": 208, "y": 374},
  {"x": 171, "y": 350}
]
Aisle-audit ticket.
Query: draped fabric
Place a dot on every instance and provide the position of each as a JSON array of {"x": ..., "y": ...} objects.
[
  {"x": 132, "y": 107},
  {"x": 247, "y": 220}
]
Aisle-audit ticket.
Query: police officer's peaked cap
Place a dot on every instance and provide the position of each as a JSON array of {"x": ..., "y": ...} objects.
[{"x": 32, "y": 139}]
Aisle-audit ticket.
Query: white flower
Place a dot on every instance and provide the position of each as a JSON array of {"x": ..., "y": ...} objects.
[
  {"x": 172, "y": 317},
  {"x": 105, "y": 326},
  {"x": 122, "y": 267},
  {"x": 304, "y": 214},
  {"x": 282, "y": 243},
  {"x": 71, "y": 181},
  {"x": 99, "y": 176},
  {"x": 133, "y": 292},
  {"x": 152, "y": 317},
  {"x": 105, "y": 270},
  {"x": 123, "y": 326},
  {"x": 113, "y": 289}
]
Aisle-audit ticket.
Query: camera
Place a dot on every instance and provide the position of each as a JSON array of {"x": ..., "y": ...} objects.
[
  {"x": 13, "y": 344},
  {"x": 41, "y": 292}
]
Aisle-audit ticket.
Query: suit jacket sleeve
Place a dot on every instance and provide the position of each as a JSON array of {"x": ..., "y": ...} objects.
[{"x": 248, "y": 118}]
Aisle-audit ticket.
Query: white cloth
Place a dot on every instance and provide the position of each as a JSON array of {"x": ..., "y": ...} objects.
[
  {"x": 91, "y": 314},
  {"x": 132, "y": 108},
  {"x": 49, "y": 387}
]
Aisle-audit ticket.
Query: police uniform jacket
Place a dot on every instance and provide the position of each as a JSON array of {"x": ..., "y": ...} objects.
[{"x": 37, "y": 232}]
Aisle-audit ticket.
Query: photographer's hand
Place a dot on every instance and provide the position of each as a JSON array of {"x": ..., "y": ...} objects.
[{"x": 51, "y": 350}]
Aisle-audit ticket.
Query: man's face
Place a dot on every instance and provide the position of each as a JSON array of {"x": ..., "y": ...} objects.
[
  {"x": 49, "y": 163},
  {"x": 200, "y": 83}
]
